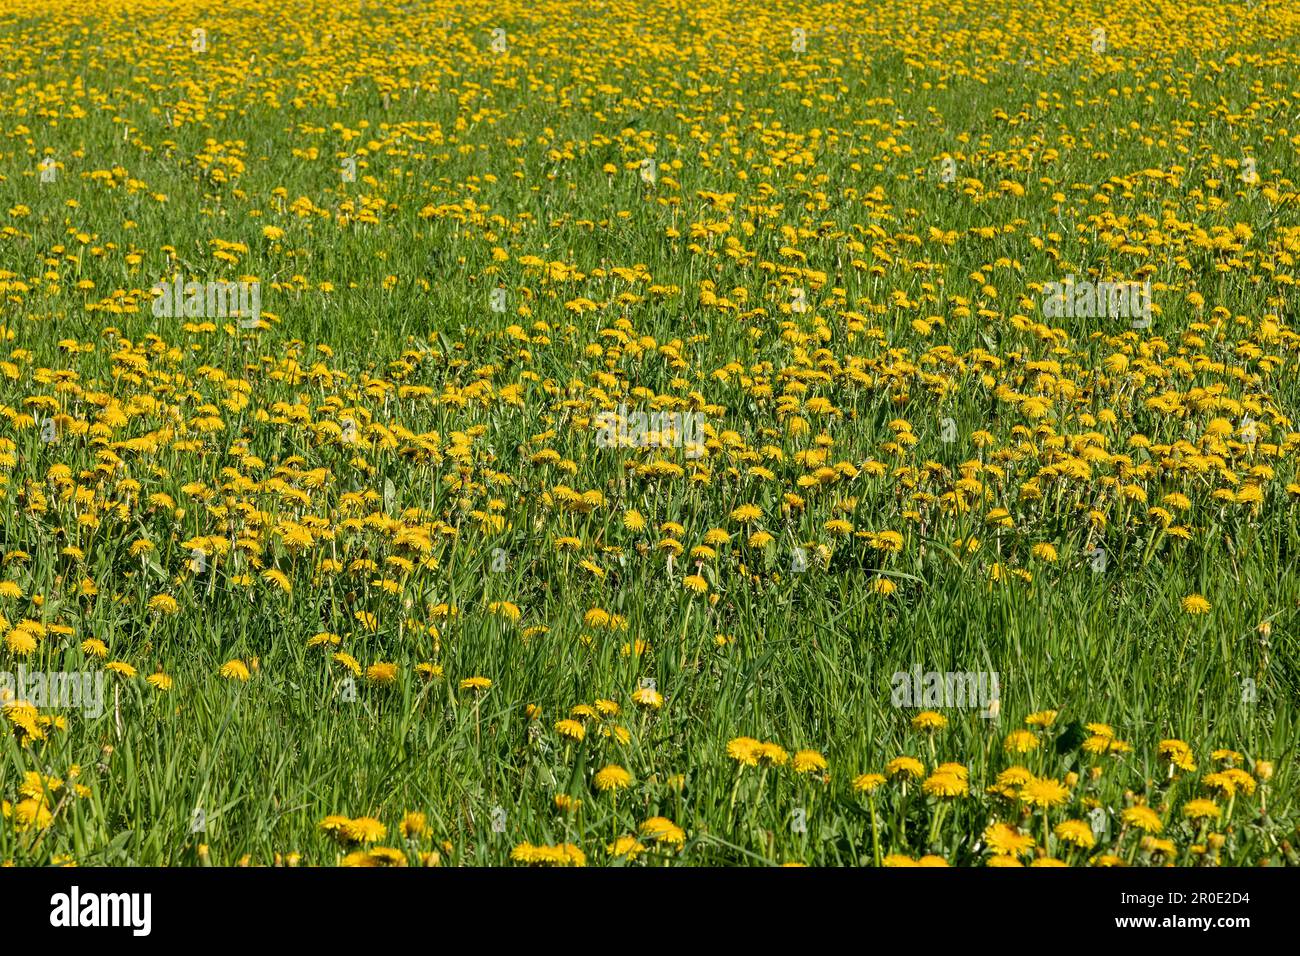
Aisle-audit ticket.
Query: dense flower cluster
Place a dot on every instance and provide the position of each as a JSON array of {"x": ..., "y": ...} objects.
[{"x": 362, "y": 550}]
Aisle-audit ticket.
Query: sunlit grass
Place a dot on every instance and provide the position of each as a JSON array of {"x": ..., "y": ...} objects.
[{"x": 367, "y": 588}]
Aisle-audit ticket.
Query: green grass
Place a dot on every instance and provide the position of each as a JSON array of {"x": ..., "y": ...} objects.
[{"x": 1188, "y": 90}]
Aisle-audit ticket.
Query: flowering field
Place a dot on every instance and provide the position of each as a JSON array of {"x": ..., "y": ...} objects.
[{"x": 644, "y": 433}]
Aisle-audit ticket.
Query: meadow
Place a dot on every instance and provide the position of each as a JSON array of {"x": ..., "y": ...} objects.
[{"x": 884, "y": 564}]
